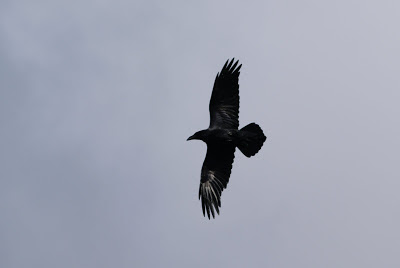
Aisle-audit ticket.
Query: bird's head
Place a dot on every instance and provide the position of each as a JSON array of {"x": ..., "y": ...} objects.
[{"x": 199, "y": 135}]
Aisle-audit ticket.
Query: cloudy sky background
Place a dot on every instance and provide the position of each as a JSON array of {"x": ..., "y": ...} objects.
[{"x": 97, "y": 99}]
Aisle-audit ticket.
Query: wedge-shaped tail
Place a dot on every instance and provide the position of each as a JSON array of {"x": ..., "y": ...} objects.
[{"x": 251, "y": 139}]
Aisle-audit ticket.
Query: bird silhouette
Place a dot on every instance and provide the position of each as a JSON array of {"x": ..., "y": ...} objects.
[{"x": 223, "y": 136}]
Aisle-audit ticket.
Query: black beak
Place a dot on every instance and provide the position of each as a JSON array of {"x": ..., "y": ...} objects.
[{"x": 191, "y": 138}]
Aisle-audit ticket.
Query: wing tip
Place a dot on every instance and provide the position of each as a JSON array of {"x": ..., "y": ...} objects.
[
  {"x": 210, "y": 200},
  {"x": 230, "y": 66}
]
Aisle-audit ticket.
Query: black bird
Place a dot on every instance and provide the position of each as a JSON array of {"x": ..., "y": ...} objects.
[{"x": 223, "y": 136}]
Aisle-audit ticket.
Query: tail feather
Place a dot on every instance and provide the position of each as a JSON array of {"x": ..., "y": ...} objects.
[{"x": 251, "y": 139}]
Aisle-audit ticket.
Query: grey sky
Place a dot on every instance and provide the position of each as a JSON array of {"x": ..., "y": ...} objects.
[{"x": 97, "y": 100}]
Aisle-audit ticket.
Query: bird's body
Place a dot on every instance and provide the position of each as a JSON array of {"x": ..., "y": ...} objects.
[
  {"x": 218, "y": 135},
  {"x": 223, "y": 136}
]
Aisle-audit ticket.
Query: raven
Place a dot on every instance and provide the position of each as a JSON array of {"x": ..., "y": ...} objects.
[{"x": 223, "y": 136}]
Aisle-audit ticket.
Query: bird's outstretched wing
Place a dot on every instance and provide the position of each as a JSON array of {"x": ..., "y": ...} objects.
[
  {"x": 224, "y": 102},
  {"x": 215, "y": 176}
]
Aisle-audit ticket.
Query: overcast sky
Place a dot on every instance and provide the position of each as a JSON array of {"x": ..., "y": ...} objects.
[{"x": 97, "y": 99}]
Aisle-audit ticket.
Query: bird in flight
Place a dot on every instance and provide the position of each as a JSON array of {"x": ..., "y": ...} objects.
[{"x": 223, "y": 136}]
